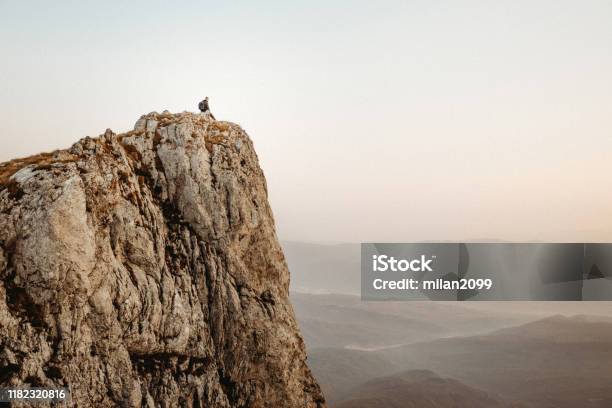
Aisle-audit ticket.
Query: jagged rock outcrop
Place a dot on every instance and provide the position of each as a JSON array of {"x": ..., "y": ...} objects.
[{"x": 143, "y": 269}]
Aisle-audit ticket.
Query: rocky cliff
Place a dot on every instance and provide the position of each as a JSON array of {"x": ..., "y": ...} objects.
[{"x": 143, "y": 269}]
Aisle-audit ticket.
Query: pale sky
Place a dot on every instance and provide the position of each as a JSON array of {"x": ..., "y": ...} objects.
[{"x": 373, "y": 120}]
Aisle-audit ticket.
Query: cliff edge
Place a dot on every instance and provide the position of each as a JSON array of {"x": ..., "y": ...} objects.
[{"x": 143, "y": 269}]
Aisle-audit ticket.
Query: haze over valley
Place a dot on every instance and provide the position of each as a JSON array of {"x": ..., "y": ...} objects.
[{"x": 419, "y": 354}]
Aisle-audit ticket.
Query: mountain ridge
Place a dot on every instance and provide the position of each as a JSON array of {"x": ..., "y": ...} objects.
[{"x": 418, "y": 389}]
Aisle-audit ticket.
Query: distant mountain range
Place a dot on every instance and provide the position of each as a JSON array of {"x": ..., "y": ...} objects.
[
  {"x": 445, "y": 354},
  {"x": 418, "y": 389},
  {"x": 558, "y": 362},
  {"x": 346, "y": 321},
  {"x": 339, "y": 330},
  {"x": 339, "y": 371}
]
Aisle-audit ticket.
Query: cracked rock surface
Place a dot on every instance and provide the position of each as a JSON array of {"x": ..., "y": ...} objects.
[{"x": 143, "y": 270}]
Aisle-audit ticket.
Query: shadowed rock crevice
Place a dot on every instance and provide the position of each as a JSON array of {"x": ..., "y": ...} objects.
[{"x": 143, "y": 269}]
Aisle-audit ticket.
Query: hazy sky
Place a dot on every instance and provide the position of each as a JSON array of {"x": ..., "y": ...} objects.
[{"x": 373, "y": 120}]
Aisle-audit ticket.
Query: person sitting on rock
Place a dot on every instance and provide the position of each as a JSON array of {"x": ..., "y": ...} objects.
[{"x": 205, "y": 108}]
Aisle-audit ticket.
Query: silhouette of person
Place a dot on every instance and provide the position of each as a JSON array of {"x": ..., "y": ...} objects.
[{"x": 203, "y": 106}]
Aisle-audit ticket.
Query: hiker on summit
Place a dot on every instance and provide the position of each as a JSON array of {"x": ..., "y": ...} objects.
[{"x": 205, "y": 108}]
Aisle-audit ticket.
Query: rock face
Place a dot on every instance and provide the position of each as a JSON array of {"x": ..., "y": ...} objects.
[{"x": 143, "y": 269}]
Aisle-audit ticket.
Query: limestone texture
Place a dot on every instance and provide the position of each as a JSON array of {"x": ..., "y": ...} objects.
[{"x": 143, "y": 270}]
